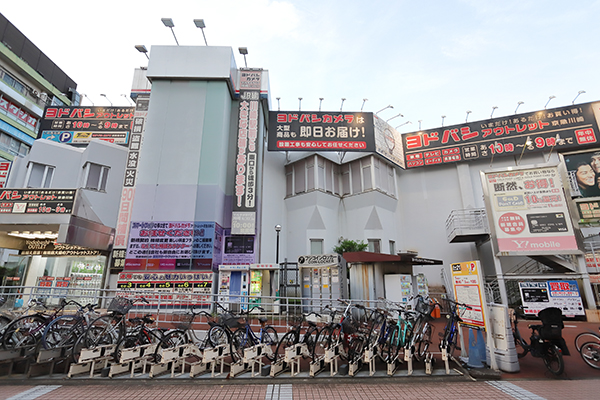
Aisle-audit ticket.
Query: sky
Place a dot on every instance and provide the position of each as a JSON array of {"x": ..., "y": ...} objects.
[{"x": 426, "y": 58}]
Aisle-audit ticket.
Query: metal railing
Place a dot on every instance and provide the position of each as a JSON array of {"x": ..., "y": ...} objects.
[{"x": 469, "y": 221}]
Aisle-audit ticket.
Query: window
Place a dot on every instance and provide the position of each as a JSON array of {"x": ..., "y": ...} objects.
[
  {"x": 96, "y": 177},
  {"x": 39, "y": 175},
  {"x": 374, "y": 245},
  {"x": 392, "y": 247},
  {"x": 316, "y": 246}
]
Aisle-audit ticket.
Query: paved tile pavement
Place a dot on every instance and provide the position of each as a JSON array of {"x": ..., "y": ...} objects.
[{"x": 434, "y": 390}]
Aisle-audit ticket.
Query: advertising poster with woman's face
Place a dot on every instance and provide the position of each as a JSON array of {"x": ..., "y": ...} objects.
[{"x": 584, "y": 173}]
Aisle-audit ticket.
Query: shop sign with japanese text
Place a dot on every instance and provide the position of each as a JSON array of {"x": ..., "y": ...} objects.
[
  {"x": 321, "y": 131},
  {"x": 529, "y": 212},
  {"x": 79, "y": 125},
  {"x": 558, "y": 129},
  {"x": 468, "y": 289},
  {"x": 4, "y": 171},
  {"x": 37, "y": 201},
  {"x": 50, "y": 248},
  {"x": 565, "y": 295}
]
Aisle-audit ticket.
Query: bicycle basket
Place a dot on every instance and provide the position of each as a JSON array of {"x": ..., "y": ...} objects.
[
  {"x": 229, "y": 320},
  {"x": 349, "y": 326},
  {"x": 422, "y": 306},
  {"x": 120, "y": 305}
]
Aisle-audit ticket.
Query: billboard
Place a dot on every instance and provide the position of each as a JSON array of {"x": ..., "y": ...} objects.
[
  {"x": 246, "y": 160},
  {"x": 565, "y": 295},
  {"x": 4, "y": 171},
  {"x": 528, "y": 211},
  {"x": 37, "y": 201},
  {"x": 80, "y": 124},
  {"x": 321, "y": 131},
  {"x": 388, "y": 142},
  {"x": 564, "y": 128},
  {"x": 584, "y": 172}
]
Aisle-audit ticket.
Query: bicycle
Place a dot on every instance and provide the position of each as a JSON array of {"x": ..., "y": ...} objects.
[
  {"x": 26, "y": 331},
  {"x": 586, "y": 337},
  {"x": 449, "y": 337},
  {"x": 295, "y": 336},
  {"x": 397, "y": 333},
  {"x": 422, "y": 329},
  {"x": 546, "y": 340},
  {"x": 140, "y": 335},
  {"x": 245, "y": 337},
  {"x": 109, "y": 328},
  {"x": 66, "y": 330},
  {"x": 590, "y": 350}
]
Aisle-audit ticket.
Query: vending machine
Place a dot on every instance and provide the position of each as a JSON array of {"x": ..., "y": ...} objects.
[
  {"x": 233, "y": 286},
  {"x": 264, "y": 283},
  {"x": 324, "y": 280}
]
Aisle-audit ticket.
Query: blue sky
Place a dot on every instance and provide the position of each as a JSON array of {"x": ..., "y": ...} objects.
[{"x": 426, "y": 58}]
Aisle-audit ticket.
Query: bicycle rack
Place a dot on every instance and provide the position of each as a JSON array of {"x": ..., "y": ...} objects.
[
  {"x": 369, "y": 357},
  {"x": 214, "y": 356},
  {"x": 445, "y": 360},
  {"x": 392, "y": 365},
  {"x": 89, "y": 358},
  {"x": 429, "y": 364},
  {"x": 408, "y": 358},
  {"x": 132, "y": 359},
  {"x": 331, "y": 357},
  {"x": 254, "y": 355},
  {"x": 171, "y": 358}
]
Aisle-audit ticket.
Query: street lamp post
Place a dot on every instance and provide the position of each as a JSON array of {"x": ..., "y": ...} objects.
[{"x": 277, "y": 229}]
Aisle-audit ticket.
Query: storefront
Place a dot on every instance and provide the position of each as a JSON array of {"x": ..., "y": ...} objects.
[{"x": 56, "y": 248}]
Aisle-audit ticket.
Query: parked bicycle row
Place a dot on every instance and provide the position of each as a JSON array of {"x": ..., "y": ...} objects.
[{"x": 389, "y": 331}]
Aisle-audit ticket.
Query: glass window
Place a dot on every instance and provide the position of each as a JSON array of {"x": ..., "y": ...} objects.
[
  {"x": 316, "y": 246},
  {"x": 374, "y": 245},
  {"x": 39, "y": 175},
  {"x": 300, "y": 176},
  {"x": 97, "y": 175},
  {"x": 392, "y": 247}
]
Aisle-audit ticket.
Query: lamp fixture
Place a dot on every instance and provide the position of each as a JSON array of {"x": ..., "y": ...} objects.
[
  {"x": 320, "y": 101},
  {"x": 200, "y": 24},
  {"x": 168, "y": 22},
  {"x": 518, "y": 104},
  {"x": 493, "y": 109},
  {"x": 549, "y": 98},
  {"x": 103, "y": 95},
  {"x": 342, "y": 105},
  {"x": 384, "y": 108},
  {"x": 126, "y": 97},
  {"x": 395, "y": 116},
  {"x": 578, "y": 93},
  {"x": 142, "y": 49},
  {"x": 467, "y": 117},
  {"x": 243, "y": 51},
  {"x": 363, "y": 104}
]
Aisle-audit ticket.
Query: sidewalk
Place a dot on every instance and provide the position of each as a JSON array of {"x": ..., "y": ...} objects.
[{"x": 531, "y": 390}]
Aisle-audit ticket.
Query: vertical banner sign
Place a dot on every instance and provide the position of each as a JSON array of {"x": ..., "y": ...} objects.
[
  {"x": 243, "y": 219},
  {"x": 4, "y": 170},
  {"x": 467, "y": 282},
  {"x": 124, "y": 216},
  {"x": 529, "y": 213}
]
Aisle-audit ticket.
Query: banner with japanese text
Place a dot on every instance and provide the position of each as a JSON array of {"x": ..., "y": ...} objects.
[
  {"x": 565, "y": 295},
  {"x": 528, "y": 211},
  {"x": 243, "y": 220},
  {"x": 467, "y": 281},
  {"x": 557, "y": 129},
  {"x": 81, "y": 124}
]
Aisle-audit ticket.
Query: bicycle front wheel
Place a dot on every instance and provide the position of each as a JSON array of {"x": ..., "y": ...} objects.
[
  {"x": 288, "y": 340},
  {"x": 585, "y": 337},
  {"x": 170, "y": 341},
  {"x": 423, "y": 343},
  {"x": 553, "y": 360},
  {"x": 217, "y": 336},
  {"x": 23, "y": 332},
  {"x": 62, "y": 332},
  {"x": 389, "y": 349},
  {"x": 590, "y": 352},
  {"x": 269, "y": 337},
  {"x": 104, "y": 330}
]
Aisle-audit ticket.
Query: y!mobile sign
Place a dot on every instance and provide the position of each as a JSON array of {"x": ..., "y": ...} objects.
[
  {"x": 529, "y": 213},
  {"x": 565, "y": 128}
]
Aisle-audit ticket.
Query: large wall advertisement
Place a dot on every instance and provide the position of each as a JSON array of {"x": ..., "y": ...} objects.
[
  {"x": 558, "y": 129},
  {"x": 528, "y": 211},
  {"x": 243, "y": 219},
  {"x": 79, "y": 125}
]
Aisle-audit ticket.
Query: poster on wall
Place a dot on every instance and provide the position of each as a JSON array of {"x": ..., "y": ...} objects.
[
  {"x": 559, "y": 129},
  {"x": 167, "y": 288},
  {"x": 565, "y": 295},
  {"x": 388, "y": 142},
  {"x": 528, "y": 211},
  {"x": 321, "y": 131},
  {"x": 467, "y": 284}
]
